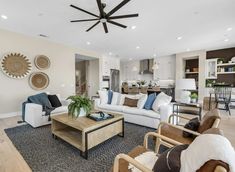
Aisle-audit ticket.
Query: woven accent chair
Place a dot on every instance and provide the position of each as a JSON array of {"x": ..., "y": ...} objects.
[
  {"x": 210, "y": 120},
  {"x": 122, "y": 161},
  {"x": 144, "y": 90}
]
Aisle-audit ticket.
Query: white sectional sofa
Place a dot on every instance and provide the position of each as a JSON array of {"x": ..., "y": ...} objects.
[{"x": 140, "y": 116}]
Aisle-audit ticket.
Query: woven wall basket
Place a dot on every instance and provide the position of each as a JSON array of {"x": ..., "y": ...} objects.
[
  {"x": 16, "y": 65},
  {"x": 38, "y": 81},
  {"x": 42, "y": 62}
]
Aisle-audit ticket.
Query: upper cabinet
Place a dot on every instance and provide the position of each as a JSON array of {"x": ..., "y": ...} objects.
[{"x": 211, "y": 69}]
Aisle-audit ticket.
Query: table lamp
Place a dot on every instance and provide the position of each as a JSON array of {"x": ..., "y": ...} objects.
[{"x": 185, "y": 85}]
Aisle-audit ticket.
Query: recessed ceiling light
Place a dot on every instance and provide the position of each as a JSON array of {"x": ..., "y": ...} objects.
[
  {"x": 133, "y": 27},
  {"x": 4, "y": 17},
  {"x": 188, "y": 49},
  {"x": 110, "y": 53},
  {"x": 226, "y": 40},
  {"x": 88, "y": 43},
  {"x": 229, "y": 29},
  {"x": 179, "y": 38},
  {"x": 130, "y": 59},
  {"x": 154, "y": 55},
  {"x": 137, "y": 47}
]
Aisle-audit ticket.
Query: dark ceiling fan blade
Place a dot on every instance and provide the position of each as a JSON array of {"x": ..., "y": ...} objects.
[
  {"x": 83, "y": 20},
  {"x": 83, "y": 10},
  {"x": 101, "y": 9},
  {"x": 124, "y": 16},
  {"x": 117, "y": 24},
  {"x": 105, "y": 28},
  {"x": 92, "y": 26},
  {"x": 117, "y": 7}
]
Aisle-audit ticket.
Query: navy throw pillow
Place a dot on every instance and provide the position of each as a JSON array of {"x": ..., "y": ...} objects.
[
  {"x": 55, "y": 102},
  {"x": 110, "y": 96},
  {"x": 150, "y": 100}
]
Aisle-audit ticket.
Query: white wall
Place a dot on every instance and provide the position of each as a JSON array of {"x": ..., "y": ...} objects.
[
  {"x": 166, "y": 68},
  {"x": 61, "y": 73},
  {"x": 93, "y": 77},
  {"x": 128, "y": 74}
]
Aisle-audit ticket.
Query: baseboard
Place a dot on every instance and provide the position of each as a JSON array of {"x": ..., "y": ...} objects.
[{"x": 11, "y": 114}]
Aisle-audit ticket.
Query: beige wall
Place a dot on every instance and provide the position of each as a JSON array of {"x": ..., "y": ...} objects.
[{"x": 61, "y": 73}]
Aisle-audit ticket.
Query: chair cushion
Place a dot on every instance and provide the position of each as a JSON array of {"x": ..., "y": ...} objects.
[
  {"x": 54, "y": 100},
  {"x": 103, "y": 96},
  {"x": 123, "y": 165},
  {"x": 149, "y": 102},
  {"x": 193, "y": 125},
  {"x": 208, "y": 120},
  {"x": 130, "y": 102},
  {"x": 175, "y": 134},
  {"x": 211, "y": 165},
  {"x": 169, "y": 161}
]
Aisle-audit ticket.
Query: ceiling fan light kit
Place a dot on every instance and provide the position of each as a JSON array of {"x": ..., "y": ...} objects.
[{"x": 104, "y": 17}]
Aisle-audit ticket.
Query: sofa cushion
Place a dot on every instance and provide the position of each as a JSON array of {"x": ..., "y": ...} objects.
[
  {"x": 208, "y": 120},
  {"x": 141, "y": 101},
  {"x": 61, "y": 109},
  {"x": 149, "y": 102},
  {"x": 116, "y": 108},
  {"x": 142, "y": 112},
  {"x": 116, "y": 98},
  {"x": 130, "y": 102},
  {"x": 110, "y": 96},
  {"x": 54, "y": 100},
  {"x": 103, "y": 96},
  {"x": 161, "y": 99}
]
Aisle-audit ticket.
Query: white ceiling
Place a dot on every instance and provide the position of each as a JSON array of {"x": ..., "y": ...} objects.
[{"x": 202, "y": 24}]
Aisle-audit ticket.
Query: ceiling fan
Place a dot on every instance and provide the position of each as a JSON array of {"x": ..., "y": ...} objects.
[{"x": 104, "y": 17}]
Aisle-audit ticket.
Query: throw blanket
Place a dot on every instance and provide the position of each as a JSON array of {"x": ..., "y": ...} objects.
[
  {"x": 41, "y": 99},
  {"x": 148, "y": 159},
  {"x": 207, "y": 147}
]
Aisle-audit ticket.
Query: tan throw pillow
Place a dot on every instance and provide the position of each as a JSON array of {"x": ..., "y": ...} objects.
[
  {"x": 130, "y": 102},
  {"x": 208, "y": 120}
]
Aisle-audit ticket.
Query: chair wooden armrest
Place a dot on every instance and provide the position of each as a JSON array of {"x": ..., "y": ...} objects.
[
  {"x": 157, "y": 135},
  {"x": 131, "y": 161},
  {"x": 177, "y": 116},
  {"x": 177, "y": 127},
  {"x": 216, "y": 123}
]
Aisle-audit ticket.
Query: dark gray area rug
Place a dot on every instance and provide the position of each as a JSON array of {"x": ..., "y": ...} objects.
[{"x": 45, "y": 154}]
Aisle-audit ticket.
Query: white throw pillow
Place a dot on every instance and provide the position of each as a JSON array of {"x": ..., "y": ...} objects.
[
  {"x": 161, "y": 99},
  {"x": 115, "y": 98},
  {"x": 103, "y": 96},
  {"x": 141, "y": 101}
]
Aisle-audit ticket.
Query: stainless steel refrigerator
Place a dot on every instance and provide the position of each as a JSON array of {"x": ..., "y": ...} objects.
[{"x": 115, "y": 80}]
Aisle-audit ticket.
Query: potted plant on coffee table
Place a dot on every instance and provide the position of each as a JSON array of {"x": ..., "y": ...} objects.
[{"x": 79, "y": 106}]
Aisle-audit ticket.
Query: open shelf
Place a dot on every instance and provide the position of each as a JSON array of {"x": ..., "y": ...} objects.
[
  {"x": 191, "y": 72},
  {"x": 218, "y": 73},
  {"x": 226, "y": 64}
]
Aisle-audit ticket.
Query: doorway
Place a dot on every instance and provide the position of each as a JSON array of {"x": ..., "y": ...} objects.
[{"x": 87, "y": 75}]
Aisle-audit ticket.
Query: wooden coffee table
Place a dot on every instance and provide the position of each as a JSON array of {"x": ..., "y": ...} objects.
[{"x": 85, "y": 133}]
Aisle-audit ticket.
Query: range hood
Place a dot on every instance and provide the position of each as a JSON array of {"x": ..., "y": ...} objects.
[{"x": 146, "y": 66}]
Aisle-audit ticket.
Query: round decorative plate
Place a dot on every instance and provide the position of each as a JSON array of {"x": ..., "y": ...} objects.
[
  {"x": 42, "y": 62},
  {"x": 16, "y": 65},
  {"x": 39, "y": 80}
]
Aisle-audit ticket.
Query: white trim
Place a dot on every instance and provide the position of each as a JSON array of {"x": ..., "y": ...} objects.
[{"x": 11, "y": 114}]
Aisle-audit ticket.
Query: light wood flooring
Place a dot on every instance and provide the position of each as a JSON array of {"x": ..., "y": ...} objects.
[{"x": 12, "y": 161}]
